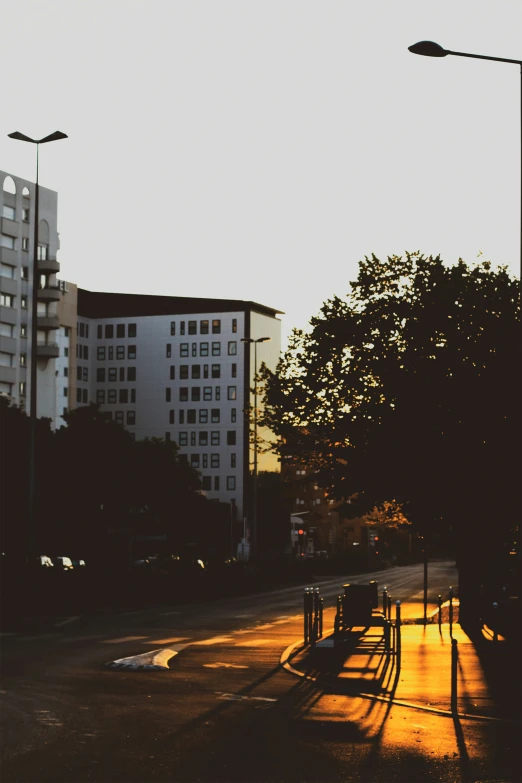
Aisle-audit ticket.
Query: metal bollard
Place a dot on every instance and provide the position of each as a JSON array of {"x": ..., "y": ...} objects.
[
  {"x": 387, "y": 625},
  {"x": 454, "y": 667},
  {"x": 307, "y": 613},
  {"x": 439, "y": 601},
  {"x": 384, "y": 601},
  {"x": 389, "y": 607},
  {"x": 337, "y": 621},
  {"x": 398, "y": 633},
  {"x": 321, "y": 607},
  {"x": 451, "y": 610},
  {"x": 495, "y": 620}
]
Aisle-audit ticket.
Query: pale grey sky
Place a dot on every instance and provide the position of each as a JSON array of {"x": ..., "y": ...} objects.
[{"x": 259, "y": 149}]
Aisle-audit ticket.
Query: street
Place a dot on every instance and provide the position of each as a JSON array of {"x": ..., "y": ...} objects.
[{"x": 224, "y": 709}]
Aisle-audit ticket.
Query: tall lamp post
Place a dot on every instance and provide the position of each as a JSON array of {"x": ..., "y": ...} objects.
[
  {"x": 34, "y": 312},
  {"x": 432, "y": 49},
  {"x": 254, "y": 487}
]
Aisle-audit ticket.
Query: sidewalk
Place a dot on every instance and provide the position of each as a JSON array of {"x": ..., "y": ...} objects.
[{"x": 362, "y": 668}]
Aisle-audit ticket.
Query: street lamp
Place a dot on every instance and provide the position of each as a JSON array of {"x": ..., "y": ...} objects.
[
  {"x": 432, "y": 49},
  {"x": 254, "y": 488},
  {"x": 56, "y": 136}
]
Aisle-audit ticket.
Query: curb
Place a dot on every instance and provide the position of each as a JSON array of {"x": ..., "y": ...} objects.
[{"x": 293, "y": 649}]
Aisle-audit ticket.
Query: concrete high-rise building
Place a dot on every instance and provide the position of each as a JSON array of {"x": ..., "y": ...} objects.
[{"x": 17, "y": 197}]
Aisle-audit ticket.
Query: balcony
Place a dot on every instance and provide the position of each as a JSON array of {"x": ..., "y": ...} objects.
[
  {"x": 47, "y": 350},
  {"x": 49, "y": 265},
  {"x": 48, "y": 322},
  {"x": 49, "y": 294}
]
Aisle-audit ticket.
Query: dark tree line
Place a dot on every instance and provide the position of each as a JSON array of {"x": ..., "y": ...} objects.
[
  {"x": 410, "y": 388},
  {"x": 96, "y": 487}
]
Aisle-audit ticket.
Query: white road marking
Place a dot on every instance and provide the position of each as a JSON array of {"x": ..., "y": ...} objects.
[
  {"x": 219, "y": 665},
  {"x": 66, "y": 621},
  {"x": 238, "y": 697},
  {"x": 263, "y": 627},
  {"x": 215, "y": 640},
  {"x": 123, "y": 639},
  {"x": 154, "y": 660}
]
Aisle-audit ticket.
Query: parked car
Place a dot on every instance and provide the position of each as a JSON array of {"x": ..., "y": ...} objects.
[
  {"x": 44, "y": 561},
  {"x": 78, "y": 563},
  {"x": 63, "y": 562}
]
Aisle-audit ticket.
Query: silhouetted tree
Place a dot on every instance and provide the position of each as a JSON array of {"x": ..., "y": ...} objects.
[
  {"x": 410, "y": 389},
  {"x": 273, "y": 514}
]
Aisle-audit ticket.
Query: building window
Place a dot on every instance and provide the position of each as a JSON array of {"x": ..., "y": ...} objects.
[
  {"x": 234, "y": 370},
  {"x": 23, "y": 328},
  {"x": 169, "y": 350},
  {"x": 203, "y": 416},
  {"x": 181, "y": 416},
  {"x": 25, "y": 215},
  {"x": 231, "y": 482},
  {"x": 22, "y": 387},
  {"x": 113, "y": 374},
  {"x": 172, "y": 372},
  {"x": 195, "y": 394},
  {"x": 100, "y": 353},
  {"x": 216, "y": 349},
  {"x": 204, "y": 461},
  {"x": 85, "y": 374},
  {"x": 205, "y": 371},
  {"x": 183, "y": 438},
  {"x": 100, "y": 331},
  {"x": 23, "y": 362},
  {"x": 216, "y": 327},
  {"x": 214, "y": 438},
  {"x": 6, "y": 241},
  {"x": 109, "y": 331},
  {"x": 194, "y": 460},
  {"x": 100, "y": 396},
  {"x": 131, "y": 419},
  {"x": 171, "y": 417},
  {"x": 216, "y": 371},
  {"x": 120, "y": 330},
  {"x": 66, "y": 352},
  {"x": 7, "y": 300},
  {"x": 207, "y": 392},
  {"x": 78, "y": 395},
  {"x": 217, "y": 392},
  {"x": 25, "y": 243},
  {"x": 168, "y": 394},
  {"x": 231, "y": 438},
  {"x": 196, "y": 371},
  {"x": 216, "y": 483},
  {"x": 182, "y": 327},
  {"x": 167, "y": 436},
  {"x": 124, "y": 396},
  {"x": 214, "y": 415},
  {"x": 9, "y": 212},
  {"x": 232, "y": 348},
  {"x": 191, "y": 416},
  {"x": 78, "y": 373},
  {"x": 131, "y": 330},
  {"x": 133, "y": 395},
  {"x": 214, "y": 460},
  {"x": 86, "y": 396},
  {"x": 87, "y": 332},
  {"x": 131, "y": 373},
  {"x": 231, "y": 393},
  {"x": 192, "y": 327},
  {"x": 42, "y": 253},
  {"x": 65, "y": 391},
  {"x": 85, "y": 351},
  {"x": 194, "y": 349},
  {"x": 183, "y": 393},
  {"x": 25, "y": 276},
  {"x": 110, "y": 353},
  {"x": 203, "y": 349},
  {"x": 100, "y": 375},
  {"x": 233, "y": 460},
  {"x": 233, "y": 415},
  {"x": 112, "y": 396},
  {"x": 203, "y": 327},
  {"x": 184, "y": 349},
  {"x": 183, "y": 372},
  {"x": 64, "y": 411},
  {"x": 192, "y": 438},
  {"x": 203, "y": 438},
  {"x": 173, "y": 327},
  {"x": 234, "y": 325},
  {"x": 120, "y": 352},
  {"x": 206, "y": 483},
  {"x": 118, "y": 417},
  {"x": 131, "y": 352},
  {"x": 23, "y": 301}
]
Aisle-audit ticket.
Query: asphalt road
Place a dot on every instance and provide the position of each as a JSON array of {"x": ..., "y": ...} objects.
[{"x": 224, "y": 710}]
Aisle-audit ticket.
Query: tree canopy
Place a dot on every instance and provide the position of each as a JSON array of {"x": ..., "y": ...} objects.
[{"x": 409, "y": 389}]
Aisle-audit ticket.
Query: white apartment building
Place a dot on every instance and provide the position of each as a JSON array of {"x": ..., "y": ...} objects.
[{"x": 176, "y": 368}]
